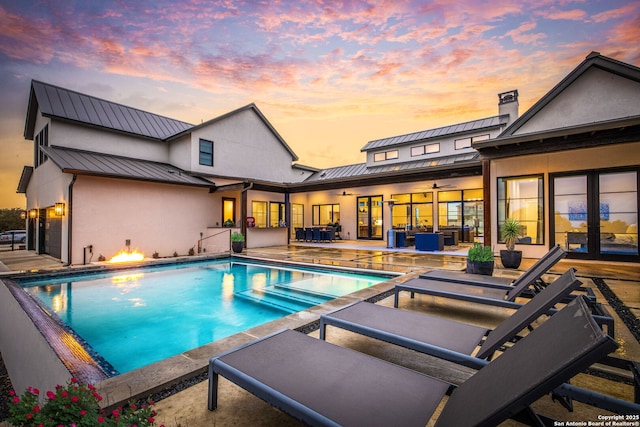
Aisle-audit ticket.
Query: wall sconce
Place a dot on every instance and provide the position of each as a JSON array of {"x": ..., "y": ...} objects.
[
  {"x": 59, "y": 209},
  {"x": 23, "y": 214},
  {"x": 33, "y": 213}
]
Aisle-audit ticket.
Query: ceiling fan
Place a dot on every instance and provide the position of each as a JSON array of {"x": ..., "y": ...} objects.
[
  {"x": 435, "y": 186},
  {"x": 344, "y": 194}
]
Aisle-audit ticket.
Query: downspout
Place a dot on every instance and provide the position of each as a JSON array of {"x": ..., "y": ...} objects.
[
  {"x": 243, "y": 211},
  {"x": 70, "y": 216}
]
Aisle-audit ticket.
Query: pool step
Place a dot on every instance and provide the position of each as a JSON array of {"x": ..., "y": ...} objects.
[{"x": 283, "y": 298}]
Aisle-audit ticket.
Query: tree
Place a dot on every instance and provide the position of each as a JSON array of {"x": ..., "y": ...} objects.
[{"x": 10, "y": 219}]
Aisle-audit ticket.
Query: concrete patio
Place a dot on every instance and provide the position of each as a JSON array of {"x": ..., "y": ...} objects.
[{"x": 237, "y": 407}]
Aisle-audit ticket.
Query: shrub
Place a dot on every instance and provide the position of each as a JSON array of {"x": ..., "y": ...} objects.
[
  {"x": 73, "y": 405},
  {"x": 237, "y": 237},
  {"x": 480, "y": 253},
  {"x": 510, "y": 232}
]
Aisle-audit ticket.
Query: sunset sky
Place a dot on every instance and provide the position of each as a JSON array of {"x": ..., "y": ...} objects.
[{"x": 329, "y": 76}]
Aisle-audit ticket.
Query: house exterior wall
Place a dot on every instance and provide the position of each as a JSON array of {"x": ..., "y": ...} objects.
[
  {"x": 604, "y": 157},
  {"x": 597, "y": 96},
  {"x": 156, "y": 217},
  {"x": 244, "y": 147},
  {"x": 447, "y": 148},
  {"x": 86, "y": 138}
]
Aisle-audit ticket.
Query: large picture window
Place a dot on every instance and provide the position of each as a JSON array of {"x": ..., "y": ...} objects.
[
  {"x": 413, "y": 210},
  {"x": 259, "y": 212},
  {"x": 206, "y": 152},
  {"x": 522, "y": 198},
  {"x": 276, "y": 214},
  {"x": 325, "y": 214}
]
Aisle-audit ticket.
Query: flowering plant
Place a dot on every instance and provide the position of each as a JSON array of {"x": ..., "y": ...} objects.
[{"x": 73, "y": 405}]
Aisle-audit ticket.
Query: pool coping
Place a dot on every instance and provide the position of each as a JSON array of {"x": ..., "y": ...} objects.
[{"x": 165, "y": 377}]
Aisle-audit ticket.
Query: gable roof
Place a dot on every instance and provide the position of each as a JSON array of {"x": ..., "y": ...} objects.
[
  {"x": 593, "y": 60},
  {"x": 361, "y": 170},
  {"x": 106, "y": 165},
  {"x": 251, "y": 107},
  {"x": 66, "y": 104},
  {"x": 471, "y": 126},
  {"x": 607, "y": 130}
]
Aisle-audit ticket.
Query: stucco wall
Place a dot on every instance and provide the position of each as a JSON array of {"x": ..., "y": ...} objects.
[
  {"x": 156, "y": 217},
  {"x": 243, "y": 147},
  {"x": 86, "y": 138},
  {"x": 605, "y": 157},
  {"x": 29, "y": 359},
  {"x": 596, "y": 96}
]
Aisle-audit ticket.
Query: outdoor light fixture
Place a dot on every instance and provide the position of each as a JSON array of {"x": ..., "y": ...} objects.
[
  {"x": 33, "y": 213},
  {"x": 23, "y": 214},
  {"x": 59, "y": 209}
]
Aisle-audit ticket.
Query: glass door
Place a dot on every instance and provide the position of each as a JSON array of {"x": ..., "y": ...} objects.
[
  {"x": 370, "y": 217},
  {"x": 596, "y": 215}
]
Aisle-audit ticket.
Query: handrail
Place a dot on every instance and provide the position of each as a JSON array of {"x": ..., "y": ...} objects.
[{"x": 213, "y": 235}]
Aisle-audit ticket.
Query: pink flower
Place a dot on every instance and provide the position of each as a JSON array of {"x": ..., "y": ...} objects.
[
  {"x": 100, "y": 419},
  {"x": 73, "y": 380},
  {"x": 51, "y": 395},
  {"x": 16, "y": 400},
  {"x": 29, "y": 415},
  {"x": 83, "y": 412},
  {"x": 12, "y": 393},
  {"x": 36, "y": 408},
  {"x": 114, "y": 413},
  {"x": 151, "y": 420},
  {"x": 74, "y": 398},
  {"x": 64, "y": 394}
]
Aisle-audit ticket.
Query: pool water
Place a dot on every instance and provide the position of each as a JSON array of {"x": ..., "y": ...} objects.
[{"x": 134, "y": 318}]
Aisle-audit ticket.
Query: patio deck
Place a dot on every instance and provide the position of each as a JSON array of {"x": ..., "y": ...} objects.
[{"x": 237, "y": 407}]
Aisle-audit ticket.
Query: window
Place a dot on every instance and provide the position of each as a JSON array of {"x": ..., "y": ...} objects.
[
  {"x": 425, "y": 149},
  {"x": 413, "y": 210},
  {"x": 206, "y": 152},
  {"x": 466, "y": 142},
  {"x": 386, "y": 155},
  {"x": 228, "y": 212},
  {"x": 522, "y": 198},
  {"x": 259, "y": 212},
  {"x": 276, "y": 214},
  {"x": 41, "y": 140},
  {"x": 325, "y": 214},
  {"x": 297, "y": 216},
  {"x": 463, "y": 143}
]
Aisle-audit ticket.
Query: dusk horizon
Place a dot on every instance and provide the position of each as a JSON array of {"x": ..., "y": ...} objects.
[{"x": 328, "y": 76}]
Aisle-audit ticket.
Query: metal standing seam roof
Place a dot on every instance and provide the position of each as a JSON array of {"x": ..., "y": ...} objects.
[
  {"x": 361, "y": 169},
  {"x": 98, "y": 164},
  {"x": 66, "y": 104},
  {"x": 475, "y": 125}
]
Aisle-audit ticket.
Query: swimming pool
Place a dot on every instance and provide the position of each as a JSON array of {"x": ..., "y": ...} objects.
[{"x": 133, "y": 318}]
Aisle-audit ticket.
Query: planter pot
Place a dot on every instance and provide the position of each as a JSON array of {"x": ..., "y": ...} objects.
[
  {"x": 511, "y": 259},
  {"x": 480, "y": 267},
  {"x": 237, "y": 246}
]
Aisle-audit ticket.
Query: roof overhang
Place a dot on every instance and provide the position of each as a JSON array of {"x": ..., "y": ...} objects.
[
  {"x": 25, "y": 177},
  {"x": 591, "y": 135}
]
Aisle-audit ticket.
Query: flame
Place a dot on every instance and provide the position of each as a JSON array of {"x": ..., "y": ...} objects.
[{"x": 124, "y": 256}]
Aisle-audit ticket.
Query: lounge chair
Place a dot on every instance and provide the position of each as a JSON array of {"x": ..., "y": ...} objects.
[
  {"x": 529, "y": 277},
  {"x": 323, "y": 384},
  {"x": 504, "y": 296},
  {"x": 440, "y": 337}
]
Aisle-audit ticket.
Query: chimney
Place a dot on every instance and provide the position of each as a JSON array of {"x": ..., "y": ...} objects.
[{"x": 508, "y": 104}]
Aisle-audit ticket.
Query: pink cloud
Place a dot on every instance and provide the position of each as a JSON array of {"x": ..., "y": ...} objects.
[
  {"x": 555, "y": 14},
  {"x": 621, "y": 12}
]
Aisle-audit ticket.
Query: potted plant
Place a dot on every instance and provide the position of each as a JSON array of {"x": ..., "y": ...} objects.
[
  {"x": 511, "y": 231},
  {"x": 237, "y": 242},
  {"x": 480, "y": 260}
]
